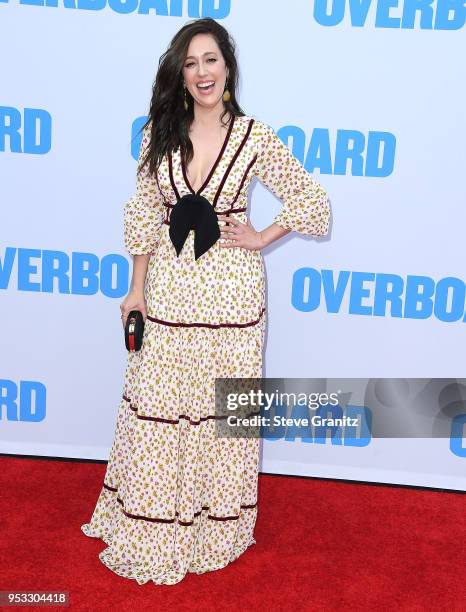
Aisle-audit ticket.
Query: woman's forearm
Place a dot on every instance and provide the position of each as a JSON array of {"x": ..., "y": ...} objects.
[
  {"x": 272, "y": 233},
  {"x": 140, "y": 263}
]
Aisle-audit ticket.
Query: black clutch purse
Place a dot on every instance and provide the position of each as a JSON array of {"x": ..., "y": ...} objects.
[{"x": 134, "y": 330}]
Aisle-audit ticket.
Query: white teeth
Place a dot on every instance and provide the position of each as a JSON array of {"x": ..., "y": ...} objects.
[{"x": 204, "y": 85}]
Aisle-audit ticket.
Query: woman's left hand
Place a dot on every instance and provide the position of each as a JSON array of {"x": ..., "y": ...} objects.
[{"x": 240, "y": 235}]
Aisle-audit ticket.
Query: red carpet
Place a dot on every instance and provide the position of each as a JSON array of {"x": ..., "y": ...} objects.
[{"x": 321, "y": 545}]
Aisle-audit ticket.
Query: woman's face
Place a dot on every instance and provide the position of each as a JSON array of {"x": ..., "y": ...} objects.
[{"x": 204, "y": 64}]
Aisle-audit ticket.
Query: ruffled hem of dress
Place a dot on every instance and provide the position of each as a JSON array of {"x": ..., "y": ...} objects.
[
  {"x": 168, "y": 573},
  {"x": 87, "y": 530}
]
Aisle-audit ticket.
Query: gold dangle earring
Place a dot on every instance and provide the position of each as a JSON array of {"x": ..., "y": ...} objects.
[
  {"x": 226, "y": 94},
  {"x": 185, "y": 100}
]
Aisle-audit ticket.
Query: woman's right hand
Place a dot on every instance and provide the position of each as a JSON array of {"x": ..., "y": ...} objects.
[{"x": 135, "y": 300}]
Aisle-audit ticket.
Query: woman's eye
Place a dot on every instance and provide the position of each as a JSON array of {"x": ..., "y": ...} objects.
[{"x": 211, "y": 59}]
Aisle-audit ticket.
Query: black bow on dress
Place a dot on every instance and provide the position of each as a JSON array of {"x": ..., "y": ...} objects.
[{"x": 194, "y": 212}]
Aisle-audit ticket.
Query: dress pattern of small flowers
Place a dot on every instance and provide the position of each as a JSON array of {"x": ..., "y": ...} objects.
[{"x": 176, "y": 498}]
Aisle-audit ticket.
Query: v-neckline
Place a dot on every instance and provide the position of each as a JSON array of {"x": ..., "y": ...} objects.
[{"x": 214, "y": 167}]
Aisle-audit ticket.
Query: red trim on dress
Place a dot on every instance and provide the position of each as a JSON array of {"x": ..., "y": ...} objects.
[
  {"x": 172, "y": 181},
  {"x": 177, "y": 514},
  {"x": 232, "y": 161},
  {"x": 250, "y": 165},
  {"x": 209, "y": 417},
  {"x": 210, "y": 325},
  {"x": 218, "y": 212}
]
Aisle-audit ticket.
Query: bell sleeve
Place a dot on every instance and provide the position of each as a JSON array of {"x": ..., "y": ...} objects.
[
  {"x": 143, "y": 212},
  {"x": 306, "y": 207}
]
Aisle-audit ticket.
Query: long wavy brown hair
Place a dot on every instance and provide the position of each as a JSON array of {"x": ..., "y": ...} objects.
[{"x": 169, "y": 120}]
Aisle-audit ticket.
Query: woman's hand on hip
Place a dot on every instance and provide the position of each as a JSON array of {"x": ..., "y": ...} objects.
[{"x": 240, "y": 234}]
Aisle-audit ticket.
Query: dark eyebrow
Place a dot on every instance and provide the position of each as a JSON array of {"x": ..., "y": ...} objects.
[{"x": 206, "y": 53}]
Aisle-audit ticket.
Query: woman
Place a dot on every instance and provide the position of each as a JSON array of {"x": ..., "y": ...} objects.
[{"x": 176, "y": 498}]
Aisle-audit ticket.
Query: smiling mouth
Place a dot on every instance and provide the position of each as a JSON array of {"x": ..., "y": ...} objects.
[{"x": 203, "y": 88}]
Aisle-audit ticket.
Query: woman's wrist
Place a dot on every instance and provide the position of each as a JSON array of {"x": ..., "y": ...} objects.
[
  {"x": 140, "y": 264},
  {"x": 262, "y": 240},
  {"x": 272, "y": 233},
  {"x": 136, "y": 289}
]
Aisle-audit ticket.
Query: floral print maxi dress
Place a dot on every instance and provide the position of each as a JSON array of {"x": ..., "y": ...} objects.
[{"x": 175, "y": 497}]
